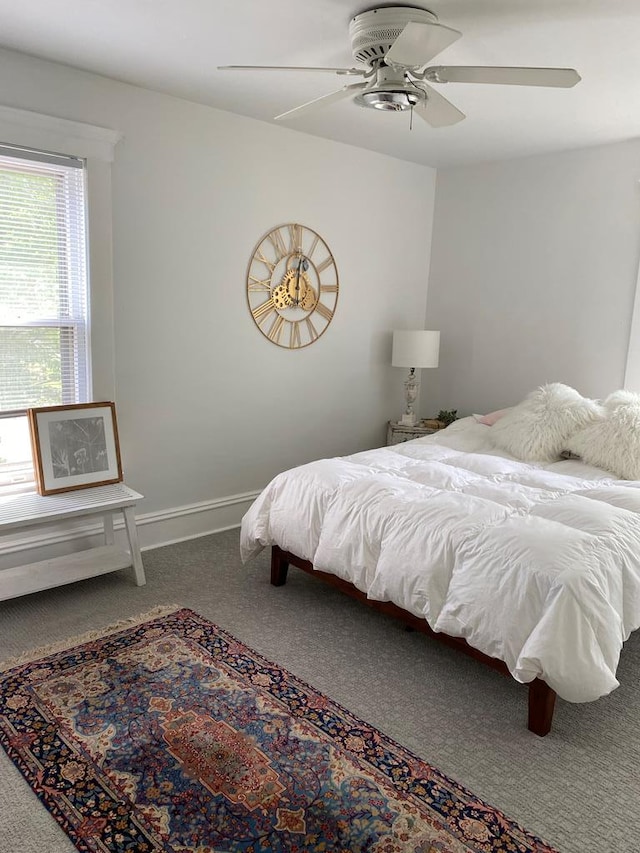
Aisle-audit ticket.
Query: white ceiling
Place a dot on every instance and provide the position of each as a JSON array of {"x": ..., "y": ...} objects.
[{"x": 174, "y": 46}]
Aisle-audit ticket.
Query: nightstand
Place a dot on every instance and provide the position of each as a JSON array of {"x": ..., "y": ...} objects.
[{"x": 397, "y": 432}]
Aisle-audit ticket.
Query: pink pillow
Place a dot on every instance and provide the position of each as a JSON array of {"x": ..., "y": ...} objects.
[{"x": 492, "y": 417}]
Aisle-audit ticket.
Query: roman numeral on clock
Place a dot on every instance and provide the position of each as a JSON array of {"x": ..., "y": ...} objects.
[
  {"x": 294, "y": 336},
  {"x": 295, "y": 238},
  {"x": 263, "y": 310},
  {"x": 324, "y": 264},
  {"x": 276, "y": 329},
  {"x": 277, "y": 242},
  {"x": 259, "y": 284},
  {"x": 313, "y": 332},
  {"x": 323, "y": 311},
  {"x": 260, "y": 257},
  {"x": 313, "y": 245}
]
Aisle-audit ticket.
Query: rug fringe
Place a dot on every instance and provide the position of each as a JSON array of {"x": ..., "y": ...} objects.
[{"x": 68, "y": 643}]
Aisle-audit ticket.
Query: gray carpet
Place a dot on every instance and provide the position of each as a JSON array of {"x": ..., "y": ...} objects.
[{"x": 579, "y": 788}]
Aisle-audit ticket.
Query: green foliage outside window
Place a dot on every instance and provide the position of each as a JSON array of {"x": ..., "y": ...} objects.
[{"x": 33, "y": 265}]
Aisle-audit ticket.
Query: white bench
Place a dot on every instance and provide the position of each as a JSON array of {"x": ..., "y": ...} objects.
[{"x": 21, "y": 511}]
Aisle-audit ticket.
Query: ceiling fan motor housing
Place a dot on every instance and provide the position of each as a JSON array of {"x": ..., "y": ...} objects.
[{"x": 373, "y": 32}]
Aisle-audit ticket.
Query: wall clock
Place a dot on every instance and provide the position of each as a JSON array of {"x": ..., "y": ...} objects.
[{"x": 292, "y": 286}]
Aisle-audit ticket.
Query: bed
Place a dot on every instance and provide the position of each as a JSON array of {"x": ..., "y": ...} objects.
[{"x": 533, "y": 568}]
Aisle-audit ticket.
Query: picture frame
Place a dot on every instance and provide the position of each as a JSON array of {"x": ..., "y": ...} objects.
[{"x": 74, "y": 446}]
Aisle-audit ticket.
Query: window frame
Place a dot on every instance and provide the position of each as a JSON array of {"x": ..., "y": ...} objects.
[{"x": 96, "y": 146}]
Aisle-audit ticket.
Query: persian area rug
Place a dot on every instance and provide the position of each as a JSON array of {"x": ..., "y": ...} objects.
[{"x": 171, "y": 735}]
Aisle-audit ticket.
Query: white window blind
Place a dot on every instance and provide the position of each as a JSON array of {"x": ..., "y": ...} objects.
[{"x": 44, "y": 357}]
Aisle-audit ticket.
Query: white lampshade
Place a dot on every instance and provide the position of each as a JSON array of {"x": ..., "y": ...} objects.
[{"x": 415, "y": 349}]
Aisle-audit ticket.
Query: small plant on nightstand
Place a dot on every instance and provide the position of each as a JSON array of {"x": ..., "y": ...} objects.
[{"x": 447, "y": 417}]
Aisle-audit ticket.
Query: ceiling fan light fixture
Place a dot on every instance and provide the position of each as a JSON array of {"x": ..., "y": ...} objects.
[
  {"x": 388, "y": 100},
  {"x": 393, "y": 90}
]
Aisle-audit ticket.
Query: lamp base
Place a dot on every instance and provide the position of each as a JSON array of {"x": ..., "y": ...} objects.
[{"x": 408, "y": 419}]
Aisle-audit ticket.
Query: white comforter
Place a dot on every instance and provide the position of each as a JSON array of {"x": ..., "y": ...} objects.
[{"x": 536, "y": 565}]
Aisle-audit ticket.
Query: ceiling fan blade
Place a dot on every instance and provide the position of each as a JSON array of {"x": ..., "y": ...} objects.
[
  {"x": 355, "y": 71},
  {"x": 558, "y": 77},
  {"x": 437, "y": 110},
  {"x": 418, "y": 43},
  {"x": 322, "y": 101}
]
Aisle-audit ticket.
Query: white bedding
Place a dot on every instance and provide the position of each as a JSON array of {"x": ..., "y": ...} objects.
[{"x": 538, "y": 565}]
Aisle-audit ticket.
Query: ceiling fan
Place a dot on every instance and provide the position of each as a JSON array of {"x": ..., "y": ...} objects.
[{"x": 394, "y": 45}]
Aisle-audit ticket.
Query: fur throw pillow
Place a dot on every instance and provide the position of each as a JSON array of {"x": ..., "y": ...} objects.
[
  {"x": 613, "y": 443},
  {"x": 538, "y": 428}
]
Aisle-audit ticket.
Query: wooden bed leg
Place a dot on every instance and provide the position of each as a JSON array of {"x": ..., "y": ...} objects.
[
  {"x": 279, "y": 567},
  {"x": 542, "y": 700}
]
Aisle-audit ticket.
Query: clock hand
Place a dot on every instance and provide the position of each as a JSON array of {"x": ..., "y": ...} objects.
[{"x": 297, "y": 287}]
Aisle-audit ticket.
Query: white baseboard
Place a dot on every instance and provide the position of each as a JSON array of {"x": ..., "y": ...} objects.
[{"x": 154, "y": 530}]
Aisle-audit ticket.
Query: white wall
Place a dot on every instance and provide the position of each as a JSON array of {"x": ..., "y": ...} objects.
[
  {"x": 533, "y": 274},
  {"x": 207, "y": 407}
]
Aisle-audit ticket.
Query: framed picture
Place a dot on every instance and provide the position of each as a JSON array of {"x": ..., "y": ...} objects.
[{"x": 75, "y": 447}]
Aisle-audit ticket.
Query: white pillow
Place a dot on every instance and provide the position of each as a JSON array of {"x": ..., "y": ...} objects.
[
  {"x": 538, "y": 428},
  {"x": 613, "y": 443}
]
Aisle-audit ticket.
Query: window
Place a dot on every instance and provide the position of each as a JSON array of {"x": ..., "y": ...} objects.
[{"x": 44, "y": 355}]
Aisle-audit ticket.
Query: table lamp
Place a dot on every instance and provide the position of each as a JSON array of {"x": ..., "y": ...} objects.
[{"x": 414, "y": 349}]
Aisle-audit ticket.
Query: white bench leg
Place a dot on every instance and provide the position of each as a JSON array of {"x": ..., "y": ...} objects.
[
  {"x": 109, "y": 538},
  {"x": 134, "y": 546}
]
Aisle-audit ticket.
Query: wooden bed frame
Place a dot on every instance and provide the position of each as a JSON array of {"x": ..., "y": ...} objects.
[{"x": 541, "y": 697}]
